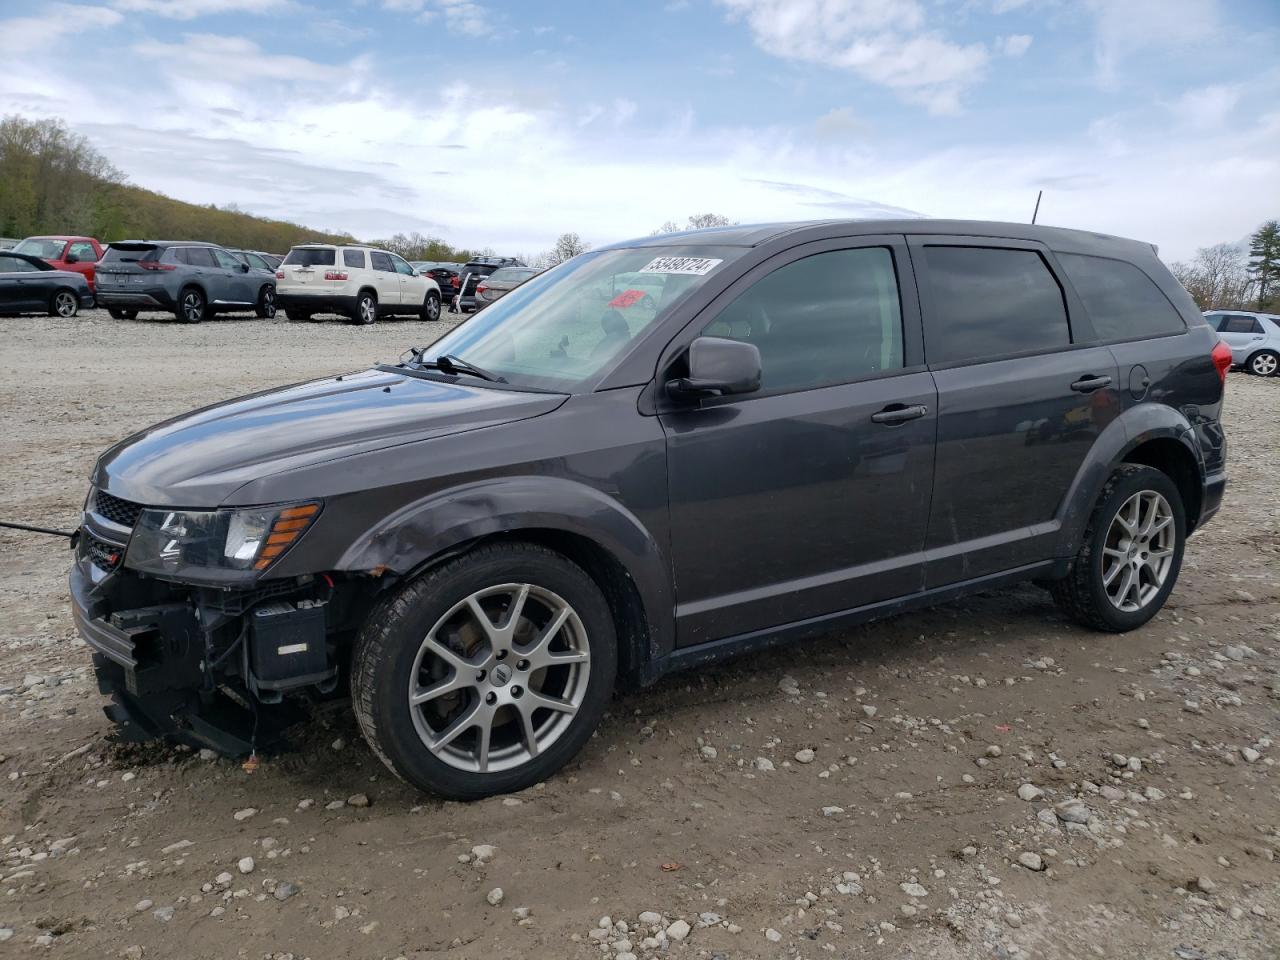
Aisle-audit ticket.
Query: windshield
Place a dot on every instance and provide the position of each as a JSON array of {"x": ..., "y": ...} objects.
[
  {"x": 39, "y": 247},
  {"x": 562, "y": 327}
]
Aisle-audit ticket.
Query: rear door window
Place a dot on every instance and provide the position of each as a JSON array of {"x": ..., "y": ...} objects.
[
  {"x": 353, "y": 259},
  {"x": 83, "y": 252},
  {"x": 989, "y": 303},
  {"x": 310, "y": 257},
  {"x": 381, "y": 261},
  {"x": 200, "y": 257},
  {"x": 1123, "y": 302},
  {"x": 1238, "y": 323}
]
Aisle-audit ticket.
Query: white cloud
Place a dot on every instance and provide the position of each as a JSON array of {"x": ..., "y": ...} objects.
[
  {"x": 54, "y": 20},
  {"x": 1124, "y": 29},
  {"x": 1207, "y": 107},
  {"x": 460, "y": 16},
  {"x": 883, "y": 41},
  {"x": 191, "y": 9},
  {"x": 1014, "y": 45}
]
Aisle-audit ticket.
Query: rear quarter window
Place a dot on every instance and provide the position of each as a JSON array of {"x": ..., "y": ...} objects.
[
  {"x": 1122, "y": 301},
  {"x": 353, "y": 259},
  {"x": 310, "y": 257}
]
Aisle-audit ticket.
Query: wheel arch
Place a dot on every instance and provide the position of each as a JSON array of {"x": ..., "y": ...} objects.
[
  {"x": 1152, "y": 434},
  {"x": 63, "y": 289},
  {"x": 581, "y": 523}
]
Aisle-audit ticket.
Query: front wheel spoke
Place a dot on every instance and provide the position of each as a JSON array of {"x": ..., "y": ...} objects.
[
  {"x": 1158, "y": 554},
  {"x": 442, "y": 651},
  {"x": 526, "y": 728},
  {"x": 536, "y": 700},
  {"x": 423, "y": 694},
  {"x": 1125, "y": 586},
  {"x": 1159, "y": 525},
  {"x": 1110, "y": 575},
  {"x": 465, "y": 721},
  {"x": 485, "y": 728},
  {"x": 481, "y": 617}
]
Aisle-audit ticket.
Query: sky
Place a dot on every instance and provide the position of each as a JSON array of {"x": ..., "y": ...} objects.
[{"x": 503, "y": 124}]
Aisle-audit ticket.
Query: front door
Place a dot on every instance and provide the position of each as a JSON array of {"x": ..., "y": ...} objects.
[
  {"x": 413, "y": 289},
  {"x": 238, "y": 285},
  {"x": 385, "y": 278},
  {"x": 1022, "y": 396},
  {"x": 15, "y": 290},
  {"x": 805, "y": 499}
]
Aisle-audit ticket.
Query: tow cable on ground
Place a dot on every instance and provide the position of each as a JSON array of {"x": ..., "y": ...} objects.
[{"x": 30, "y": 529}]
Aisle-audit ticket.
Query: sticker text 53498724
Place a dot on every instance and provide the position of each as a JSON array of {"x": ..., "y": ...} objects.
[{"x": 690, "y": 266}]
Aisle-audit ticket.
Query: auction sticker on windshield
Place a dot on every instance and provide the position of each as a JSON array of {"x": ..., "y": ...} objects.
[{"x": 689, "y": 266}]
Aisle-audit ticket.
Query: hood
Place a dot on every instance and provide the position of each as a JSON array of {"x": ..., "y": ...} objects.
[{"x": 200, "y": 458}]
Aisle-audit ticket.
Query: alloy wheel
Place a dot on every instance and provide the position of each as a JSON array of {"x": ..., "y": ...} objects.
[
  {"x": 269, "y": 304},
  {"x": 64, "y": 304},
  {"x": 368, "y": 310},
  {"x": 499, "y": 678},
  {"x": 1138, "y": 551},
  {"x": 192, "y": 306},
  {"x": 433, "y": 309},
  {"x": 1264, "y": 364}
]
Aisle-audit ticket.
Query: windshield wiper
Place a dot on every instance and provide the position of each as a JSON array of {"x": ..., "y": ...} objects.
[{"x": 452, "y": 365}]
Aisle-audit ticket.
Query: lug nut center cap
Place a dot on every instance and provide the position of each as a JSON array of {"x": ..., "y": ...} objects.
[{"x": 501, "y": 675}]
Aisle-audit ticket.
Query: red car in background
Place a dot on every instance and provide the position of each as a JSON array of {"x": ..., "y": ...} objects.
[{"x": 78, "y": 254}]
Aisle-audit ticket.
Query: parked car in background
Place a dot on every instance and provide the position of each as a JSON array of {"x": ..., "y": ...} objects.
[
  {"x": 357, "y": 282},
  {"x": 77, "y": 254},
  {"x": 1254, "y": 339},
  {"x": 193, "y": 280},
  {"x": 448, "y": 277},
  {"x": 259, "y": 260},
  {"x": 8, "y": 243},
  {"x": 473, "y": 271},
  {"x": 823, "y": 424},
  {"x": 31, "y": 285},
  {"x": 501, "y": 282}
]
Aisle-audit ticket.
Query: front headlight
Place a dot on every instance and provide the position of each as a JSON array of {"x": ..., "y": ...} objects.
[{"x": 216, "y": 545}]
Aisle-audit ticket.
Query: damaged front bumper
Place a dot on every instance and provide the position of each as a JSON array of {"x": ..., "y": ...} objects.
[{"x": 202, "y": 666}]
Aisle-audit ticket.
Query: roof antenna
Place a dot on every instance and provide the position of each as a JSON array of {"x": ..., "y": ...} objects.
[{"x": 1036, "y": 212}]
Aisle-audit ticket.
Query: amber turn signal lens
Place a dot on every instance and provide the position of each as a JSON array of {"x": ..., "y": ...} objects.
[{"x": 287, "y": 527}]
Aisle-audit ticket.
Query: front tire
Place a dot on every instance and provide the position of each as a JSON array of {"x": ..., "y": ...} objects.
[
  {"x": 487, "y": 674},
  {"x": 65, "y": 304},
  {"x": 1131, "y": 554},
  {"x": 1264, "y": 363},
  {"x": 431, "y": 308},
  {"x": 192, "y": 307},
  {"x": 266, "y": 306},
  {"x": 366, "y": 310}
]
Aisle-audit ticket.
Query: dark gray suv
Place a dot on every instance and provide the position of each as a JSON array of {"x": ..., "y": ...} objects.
[
  {"x": 652, "y": 456},
  {"x": 191, "y": 280}
]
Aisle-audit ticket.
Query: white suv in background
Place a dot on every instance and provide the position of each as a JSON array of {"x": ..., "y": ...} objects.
[
  {"x": 1254, "y": 339},
  {"x": 359, "y": 283}
]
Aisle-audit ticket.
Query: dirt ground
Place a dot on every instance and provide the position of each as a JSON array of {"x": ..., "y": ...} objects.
[{"x": 860, "y": 796}]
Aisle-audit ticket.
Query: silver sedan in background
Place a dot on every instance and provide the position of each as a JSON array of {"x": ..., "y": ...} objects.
[{"x": 501, "y": 282}]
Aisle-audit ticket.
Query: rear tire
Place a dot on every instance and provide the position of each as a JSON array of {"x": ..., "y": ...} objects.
[
  {"x": 427, "y": 639},
  {"x": 266, "y": 306},
  {"x": 64, "y": 304},
  {"x": 366, "y": 309},
  {"x": 431, "y": 308},
  {"x": 192, "y": 307},
  {"x": 1264, "y": 363},
  {"x": 117, "y": 314},
  {"x": 1130, "y": 556}
]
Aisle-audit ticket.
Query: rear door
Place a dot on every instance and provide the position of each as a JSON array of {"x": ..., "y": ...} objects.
[
  {"x": 204, "y": 270},
  {"x": 386, "y": 280},
  {"x": 1023, "y": 393},
  {"x": 810, "y": 496},
  {"x": 1241, "y": 332}
]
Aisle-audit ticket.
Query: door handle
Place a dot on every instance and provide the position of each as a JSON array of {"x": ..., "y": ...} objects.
[
  {"x": 899, "y": 413},
  {"x": 1090, "y": 384}
]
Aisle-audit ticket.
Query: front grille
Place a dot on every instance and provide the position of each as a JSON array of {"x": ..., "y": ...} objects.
[
  {"x": 106, "y": 556},
  {"x": 116, "y": 510}
]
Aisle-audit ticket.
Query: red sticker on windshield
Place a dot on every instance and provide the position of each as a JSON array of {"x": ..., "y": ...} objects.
[{"x": 626, "y": 299}]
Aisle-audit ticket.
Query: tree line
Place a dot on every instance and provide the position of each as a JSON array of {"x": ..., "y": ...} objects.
[{"x": 1236, "y": 276}]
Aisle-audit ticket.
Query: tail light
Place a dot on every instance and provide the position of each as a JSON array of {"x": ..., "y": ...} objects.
[
  {"x": 1221, "y": 360},
  {"x": 455, "y": 280},
  {"x": 156, "y": 265},
  {"x": 335, "y": 275},
  {"x": 480, "y": 288},
  {"x": 279, "y": 274}
]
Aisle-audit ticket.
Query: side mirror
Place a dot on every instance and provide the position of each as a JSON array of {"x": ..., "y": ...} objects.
[
  {"x": 71, "y": 258},
  {"x": 718, "y": 367},
  {"x": 244, "y": 268}
]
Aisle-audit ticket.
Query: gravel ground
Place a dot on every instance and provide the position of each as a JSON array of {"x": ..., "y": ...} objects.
[{"x": 979, "y": 780}]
